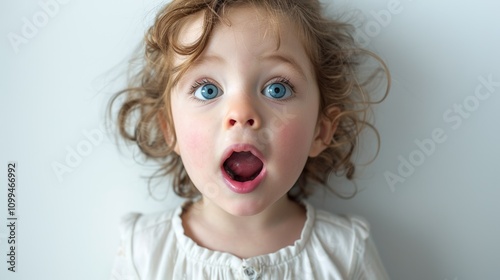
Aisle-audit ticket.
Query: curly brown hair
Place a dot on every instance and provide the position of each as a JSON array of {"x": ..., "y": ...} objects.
[{"x": 330, "y": 45}]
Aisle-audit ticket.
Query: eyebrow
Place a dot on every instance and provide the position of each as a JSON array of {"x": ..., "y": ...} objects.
[
  {"x": 286, "y": 59},
  {"x": 208, "y": 58},
  {"x": 277, "y": 57}
]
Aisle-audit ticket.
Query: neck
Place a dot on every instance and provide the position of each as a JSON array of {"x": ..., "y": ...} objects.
[
  {"x": 276, "y": 214},
  {"x": 276, "y": 227}
]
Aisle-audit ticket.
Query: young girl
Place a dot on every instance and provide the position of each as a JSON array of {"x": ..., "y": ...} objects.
[{"x": 244, "y": 102}]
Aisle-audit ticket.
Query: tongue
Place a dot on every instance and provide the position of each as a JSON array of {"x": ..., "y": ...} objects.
[{"x": 243, "y": 166}]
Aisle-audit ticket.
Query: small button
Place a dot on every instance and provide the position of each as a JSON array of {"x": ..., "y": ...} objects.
[{"x": 250, "y": 273}]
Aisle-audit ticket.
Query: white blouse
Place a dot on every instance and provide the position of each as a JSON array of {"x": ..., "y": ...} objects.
[{"x": 154, "y": 247}]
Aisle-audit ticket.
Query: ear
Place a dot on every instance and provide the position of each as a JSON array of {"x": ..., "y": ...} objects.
[
  {"x": 167, "y": 135},
  {"x": 325, "y": 129}
]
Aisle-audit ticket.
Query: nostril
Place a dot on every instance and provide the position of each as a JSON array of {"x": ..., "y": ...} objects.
[{"x": 250, "y": 122}]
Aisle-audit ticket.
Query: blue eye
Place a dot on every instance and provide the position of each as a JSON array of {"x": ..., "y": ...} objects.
[
  {"x": 277, "y": 91},
  {"x": 207, "y": 92}
]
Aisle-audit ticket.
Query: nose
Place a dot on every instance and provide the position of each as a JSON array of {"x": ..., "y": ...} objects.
[{"x": 242, "y": 111}]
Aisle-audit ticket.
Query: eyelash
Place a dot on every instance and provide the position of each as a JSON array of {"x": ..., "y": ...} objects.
[
  {"x": 283, "y": 80},
  {"x": 199, "y": 83}
]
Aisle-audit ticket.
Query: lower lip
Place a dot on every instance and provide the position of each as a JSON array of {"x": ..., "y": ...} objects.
[{"x": 243, "y": 187}]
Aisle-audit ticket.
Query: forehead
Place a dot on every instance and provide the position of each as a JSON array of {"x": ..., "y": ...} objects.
[
  {"x": 255, "y": 18},
  {"x": 253, "y": 31}
]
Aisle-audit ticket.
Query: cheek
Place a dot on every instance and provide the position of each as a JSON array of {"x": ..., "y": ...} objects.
[
  {"x": 294, "y": 141},
  {"x": 297, "y": 131},
  {"x": 299, "y": 136},
  {"x": 193, "y": 142},
  {"x": 190, "y": 141}
]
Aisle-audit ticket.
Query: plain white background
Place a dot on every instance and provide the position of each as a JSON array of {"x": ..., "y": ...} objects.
[{"x": 436, "y": 218}]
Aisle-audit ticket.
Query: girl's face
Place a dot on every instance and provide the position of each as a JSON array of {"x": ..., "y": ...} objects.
[{"x": 245, "y": 114}]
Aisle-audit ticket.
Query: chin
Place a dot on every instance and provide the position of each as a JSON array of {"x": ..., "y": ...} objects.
[{"x": 245, "y": 207}]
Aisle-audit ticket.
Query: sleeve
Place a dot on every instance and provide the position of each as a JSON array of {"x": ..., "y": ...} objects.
[
  {"x": 123, "y": 267},
  {"x": 366, "y": 264}
]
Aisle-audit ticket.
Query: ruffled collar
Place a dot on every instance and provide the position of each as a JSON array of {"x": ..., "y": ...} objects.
[{"x": 216, "y": 258}]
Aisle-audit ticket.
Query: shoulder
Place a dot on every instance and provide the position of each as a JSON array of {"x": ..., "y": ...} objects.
[
  {"x": 136, "y": 224},
  {"x": 144, "y": 223},
  {"x": 145, "y": 233},
  {"x": 143, "y": 236},
  {"x": 147, "y": 230},
  {"x": 342, "y": 226},
  {"x": 140, "y": 234},
  {"x": 344, "y": 235},
  {"x": 347, "y": 240}
]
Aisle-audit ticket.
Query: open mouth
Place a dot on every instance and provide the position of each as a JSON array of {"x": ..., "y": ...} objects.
[{"x": 243, "y": 166}]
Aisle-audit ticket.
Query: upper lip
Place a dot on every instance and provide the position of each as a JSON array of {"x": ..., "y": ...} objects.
[{"x": 241, "y": 148}]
